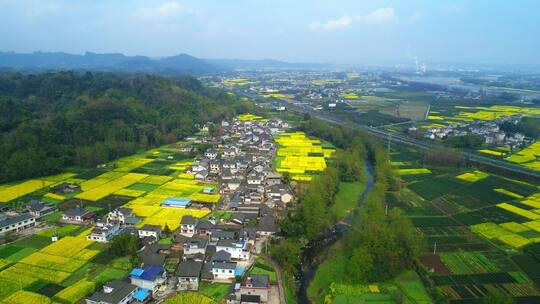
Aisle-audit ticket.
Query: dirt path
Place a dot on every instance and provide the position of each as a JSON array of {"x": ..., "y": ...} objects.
[{"x": 278, "y": 276}]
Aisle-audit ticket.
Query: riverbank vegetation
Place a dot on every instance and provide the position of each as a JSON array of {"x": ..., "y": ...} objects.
[{"x": 381, "y": 243}]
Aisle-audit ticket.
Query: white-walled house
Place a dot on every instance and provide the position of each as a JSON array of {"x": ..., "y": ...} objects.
[{"x": 150, "y": 230}]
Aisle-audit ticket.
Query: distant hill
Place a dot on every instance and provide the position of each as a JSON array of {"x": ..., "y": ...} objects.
[
  {"x": 51, "y": 121},
  {"x": 263, "y": 64},
  {"x": 39, "y": 61}
]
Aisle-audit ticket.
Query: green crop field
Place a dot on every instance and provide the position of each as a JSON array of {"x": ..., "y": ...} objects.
[{"x": 480, "y": 226}]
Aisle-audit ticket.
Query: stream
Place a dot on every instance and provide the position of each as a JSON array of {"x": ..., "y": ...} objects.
[{"x": 315, "y": 247}]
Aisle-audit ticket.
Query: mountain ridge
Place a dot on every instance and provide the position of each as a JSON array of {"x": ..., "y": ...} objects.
[{"x": 106, "y": 62}]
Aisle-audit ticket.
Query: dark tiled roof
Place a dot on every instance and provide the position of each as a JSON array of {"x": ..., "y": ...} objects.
[
  {"x": 120, "y": 290},
  {"x": 205, "y": 224},
  {"x": 267, "y": 223},
  {"x": 78, "y": 211},
  {"x": 224, "y": 265},
  {"x": 189, "y": 269},
  {"x": 15, "y": 219},
  {"x": 188, "y": 220},
  {"x": 147, "y": 227},
  {"x": 245, "y": 298},
  {"x": 258, "y": 280},
  {"x": 221, "y": 256}
]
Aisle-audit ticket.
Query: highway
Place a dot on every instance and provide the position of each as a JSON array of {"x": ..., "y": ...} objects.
[{"x": 398, "y": 138}]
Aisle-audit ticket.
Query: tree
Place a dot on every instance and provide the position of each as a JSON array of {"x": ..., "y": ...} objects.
[
  {"x": 287, "y": 254},
  {"x": 361, "y": 265},
  {"x": 124, "y": 244},
  {"x": 166, "y": 230},
  {"x": 53, "y": 120},
  {"x": 286, "y": 177}
]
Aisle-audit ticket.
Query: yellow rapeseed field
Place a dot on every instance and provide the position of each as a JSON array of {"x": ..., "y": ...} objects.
[
  {"x": 301, "y": 155},
  {"x": 473, "y": 176},
  {"x": 12, "y": 192},
  {"x": 103, "y": 190}
]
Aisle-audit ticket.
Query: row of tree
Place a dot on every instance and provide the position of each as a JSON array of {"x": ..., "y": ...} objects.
[
  {"x": 381, "y": 242},
  {"x": 53, "y": 120}
]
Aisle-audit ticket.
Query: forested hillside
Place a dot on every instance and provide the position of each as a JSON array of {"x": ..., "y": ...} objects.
[{"x": 50, "y": 121}]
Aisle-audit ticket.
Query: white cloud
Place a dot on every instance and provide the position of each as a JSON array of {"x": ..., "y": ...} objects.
[
  {"x": 332, "y": 25},
  {"x": 164, "y": 11},
  {"x": 381, "y": 16}
]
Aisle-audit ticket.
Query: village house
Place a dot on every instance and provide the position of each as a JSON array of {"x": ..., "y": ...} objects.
[
  {"x": 204, "y": 227},
  {"x": 66, "y": 188},
  {"x": 154, "y": 254},
  {"x": 215, "y": 166},
  {"x": 187, "y": 225},
  {"x": 254, "y": 289},
  {"x": 78, "y": 215},
  {"x": 123, "y": 216},
  {"x": 266, "y": 226},
  {"x": 114, "y": 292},
  {"x": 39, "y": 209},
  {"x": 104, "y": 232},
  {"x": 210, "y": 154},
  {"x": 273, "y": 178},
  {"x": 223, "y": 270},
  {"x": 16, "y": 223},
  {"x": 230, "y": 152},
  {"x": 150, "y": 230},
  {"x": 201, "y": 175},
  {"x": 255, "y": 179},
  {"x": 188, "y": 274},
  {"x": 149, "y": 278},
  {"x": 217, "y": 235},
  {"x": 280, "y": 192},
  {"x": 239, "y": 250},
  {"x": 195, "y": 245}
]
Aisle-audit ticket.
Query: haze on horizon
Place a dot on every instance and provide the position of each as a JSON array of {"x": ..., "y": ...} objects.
[{"x": 348, "y": 31}]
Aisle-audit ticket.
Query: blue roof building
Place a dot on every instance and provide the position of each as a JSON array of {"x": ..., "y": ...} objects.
[
  {"x": 176, "y": 202},
  {"x": 149, "y": 278},
  {"x": 141, "y": 294}
]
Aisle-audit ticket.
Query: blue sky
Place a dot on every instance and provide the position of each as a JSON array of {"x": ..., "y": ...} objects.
[{"x": 459, "y": 31}]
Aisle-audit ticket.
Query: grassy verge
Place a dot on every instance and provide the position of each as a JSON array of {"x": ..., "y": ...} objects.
[
  {"x": 347, "y": 197},
  {"x": 215, "y": 291},
  {"x": 332, "y": 270},
  {"x": 289, "y": 289}
]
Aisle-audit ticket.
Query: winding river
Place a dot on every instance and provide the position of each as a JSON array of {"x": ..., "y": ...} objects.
[{"x": 314, "y": 248}]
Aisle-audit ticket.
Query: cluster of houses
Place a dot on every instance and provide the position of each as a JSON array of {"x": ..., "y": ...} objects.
[
  {"x": 31, "y": 214},
  {"x": 218, "y": 249},
  {"x": 12, "y": 221},
  {"x": 241, "y": 163},
  {"x": 489, "y": 130}
]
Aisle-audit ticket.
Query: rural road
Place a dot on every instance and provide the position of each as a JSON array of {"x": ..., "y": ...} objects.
[{"x": 278, "y": 276}]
